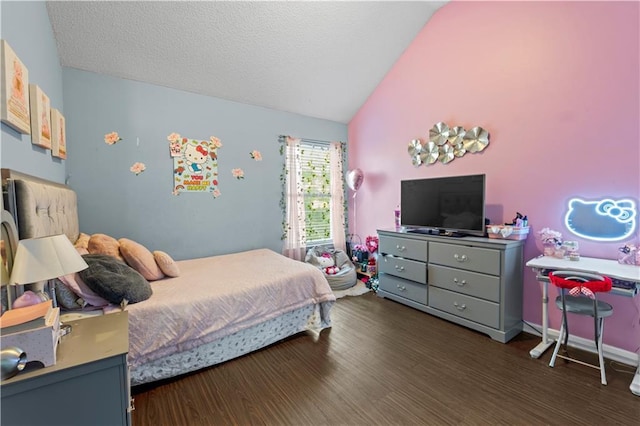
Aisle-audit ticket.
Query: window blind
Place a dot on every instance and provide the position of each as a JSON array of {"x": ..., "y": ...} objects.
[{"x": 316, "y": 185}]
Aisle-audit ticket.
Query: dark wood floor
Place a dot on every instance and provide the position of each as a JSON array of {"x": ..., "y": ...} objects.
[{"x": 384, "y": 363}]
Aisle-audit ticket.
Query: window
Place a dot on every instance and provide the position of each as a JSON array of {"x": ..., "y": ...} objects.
[
  {"x": 316, "y": 187},
  {"x": 313, "y": 195}
]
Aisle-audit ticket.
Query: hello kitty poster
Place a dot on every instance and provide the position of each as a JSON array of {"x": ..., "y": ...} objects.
[{"x": 195, "y": 164}]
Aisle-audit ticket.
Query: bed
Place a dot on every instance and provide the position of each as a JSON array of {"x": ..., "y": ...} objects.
[{"x": 217, "y": 309}]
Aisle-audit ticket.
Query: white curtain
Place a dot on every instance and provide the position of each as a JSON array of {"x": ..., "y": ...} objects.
[
  {"x": 295, "y": 245},
  {"x": 337, "y": 197}
]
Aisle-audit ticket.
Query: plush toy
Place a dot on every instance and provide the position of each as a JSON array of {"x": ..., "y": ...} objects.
[
  {"x": 325, "y": 261},
  {"x": 328, "y": 264}
]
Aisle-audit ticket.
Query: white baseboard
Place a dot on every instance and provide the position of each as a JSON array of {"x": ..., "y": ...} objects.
[{"x": 610, "y": 352}]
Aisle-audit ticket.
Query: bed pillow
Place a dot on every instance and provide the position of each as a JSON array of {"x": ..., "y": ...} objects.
[
  {"x": 82, "y": 241},
  {"x": 166, "y": 264},
  {"x": 66, "y": 298},
  {"x": 75, "y": 284},
  {"x": 140, "y": 258},
  {"x": 104, "y": 244},
  {"x": 114, "y": 280}
]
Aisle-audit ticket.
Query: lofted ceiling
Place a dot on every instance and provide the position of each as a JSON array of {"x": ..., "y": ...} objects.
[{"x": 316, "y": 58}]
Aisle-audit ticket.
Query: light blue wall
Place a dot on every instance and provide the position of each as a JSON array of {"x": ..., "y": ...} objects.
[
  {"x": 26, "y": 27},
  {"x": 114, "y": 201}
]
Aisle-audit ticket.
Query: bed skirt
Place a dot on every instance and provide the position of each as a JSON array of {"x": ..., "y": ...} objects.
[{"x": 312, "y": 317}]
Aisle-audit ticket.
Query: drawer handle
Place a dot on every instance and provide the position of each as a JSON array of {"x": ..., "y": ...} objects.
[
  {"x": 460, "y": 307},
  {"x": 460, "y": 258},
  {"x": 460, "y": 283},
  {"x": 399, "y": 268},
  {"x": 401, "y": 287},
  {"x": 400, "y": 248}
]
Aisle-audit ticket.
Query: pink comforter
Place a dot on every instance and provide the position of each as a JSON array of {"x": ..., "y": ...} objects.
[{"x": 218, "y": 296}]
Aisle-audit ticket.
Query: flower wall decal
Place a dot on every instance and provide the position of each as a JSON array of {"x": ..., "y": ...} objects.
[
  {"x": 112, "y": 138},
  {"x": 238, "y": 173},
  {"x": 256, "y": 155},
  {"x": 138, "y": 168}
]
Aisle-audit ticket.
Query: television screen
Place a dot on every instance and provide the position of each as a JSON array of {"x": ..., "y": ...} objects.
[{"x": 444, "y": 205}]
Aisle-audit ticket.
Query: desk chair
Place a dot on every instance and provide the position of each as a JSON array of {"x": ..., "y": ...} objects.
[{"x": 582, "y": 289}]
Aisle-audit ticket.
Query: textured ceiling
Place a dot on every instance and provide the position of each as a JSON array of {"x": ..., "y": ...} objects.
[{"x": 319, "y": 59}]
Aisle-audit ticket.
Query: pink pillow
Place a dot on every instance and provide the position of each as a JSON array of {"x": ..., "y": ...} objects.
[
  {"x": 166, "y": 264},
  {"x": 75, "y": 284},
  {"x": 82, "y": 241},
  {"x": 104, "y": 244},
  {"x": 140, "y": 258}
]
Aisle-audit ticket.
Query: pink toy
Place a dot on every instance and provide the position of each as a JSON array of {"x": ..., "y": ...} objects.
[{"x": 27, "y": 299}]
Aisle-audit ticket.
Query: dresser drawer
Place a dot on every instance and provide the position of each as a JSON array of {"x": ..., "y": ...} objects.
[
  {"x": 407, "y": 289},
  {"x": 404, "y": 247},
  {"x": 403, "y": 268},
  {"x": 465, "y": 282},
  {"x": 471, "y": 258},
  {"x": 477, "y": 310}
]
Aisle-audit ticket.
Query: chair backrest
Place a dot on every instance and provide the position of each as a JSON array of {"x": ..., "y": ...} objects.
[{"x": 573, "y": 279}]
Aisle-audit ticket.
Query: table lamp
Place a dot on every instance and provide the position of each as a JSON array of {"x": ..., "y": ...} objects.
[
  {"x": 4, "y": 274},
  {"x": 40, "y": 259}
]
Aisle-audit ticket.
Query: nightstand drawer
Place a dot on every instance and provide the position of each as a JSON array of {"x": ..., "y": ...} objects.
[
  {"x": 403, "y": 268},
  {"x": 404, "y": 247},
  {"x": 465, "y": 282},
  {"x": 477, "y": 310},
  {"x": 407, "y": 289},
  {"x": 471, "y": 258}
]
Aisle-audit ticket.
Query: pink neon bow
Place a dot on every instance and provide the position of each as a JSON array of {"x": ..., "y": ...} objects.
[{"x": 575, "y": 291}]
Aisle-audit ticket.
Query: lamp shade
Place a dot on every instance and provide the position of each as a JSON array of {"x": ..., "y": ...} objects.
[{"x": 39, "y": 259}]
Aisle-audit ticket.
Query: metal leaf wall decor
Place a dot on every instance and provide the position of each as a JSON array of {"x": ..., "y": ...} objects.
[{"x": 447, "y": 143}]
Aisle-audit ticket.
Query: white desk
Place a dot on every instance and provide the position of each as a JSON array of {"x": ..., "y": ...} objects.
[{"x": 610, "y": 268}]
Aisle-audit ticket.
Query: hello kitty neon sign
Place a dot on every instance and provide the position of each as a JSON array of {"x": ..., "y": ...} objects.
[{"x": 602, "y": 220}]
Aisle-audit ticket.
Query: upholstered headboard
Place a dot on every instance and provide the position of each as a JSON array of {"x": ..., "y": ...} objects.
[{"x": 40, "y": 207}]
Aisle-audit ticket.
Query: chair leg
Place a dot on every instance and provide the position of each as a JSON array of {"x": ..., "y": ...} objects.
[
  {"x": 558, "y": 344},
  {"x": 603, "y": 376}
]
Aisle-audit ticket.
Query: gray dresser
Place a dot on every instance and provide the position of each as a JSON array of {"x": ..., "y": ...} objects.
[
  {"x": 472, "y": 281},
  {"x": 88, "y": 385}
]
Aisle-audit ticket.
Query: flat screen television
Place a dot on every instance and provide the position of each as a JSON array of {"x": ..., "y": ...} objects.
[{"x": 452, "y": 206}]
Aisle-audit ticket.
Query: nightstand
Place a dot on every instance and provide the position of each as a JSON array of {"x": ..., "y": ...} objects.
[{"x": 89, "y": 384}]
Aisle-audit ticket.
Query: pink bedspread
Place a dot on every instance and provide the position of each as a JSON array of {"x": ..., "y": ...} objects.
[{"x": 217, "y": 296}]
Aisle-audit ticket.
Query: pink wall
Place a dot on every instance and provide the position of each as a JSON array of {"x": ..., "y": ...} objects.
[{"x": 557, "y": 87}]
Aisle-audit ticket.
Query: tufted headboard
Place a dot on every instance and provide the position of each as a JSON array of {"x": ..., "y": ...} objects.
[{"x": 40, "y": 207}]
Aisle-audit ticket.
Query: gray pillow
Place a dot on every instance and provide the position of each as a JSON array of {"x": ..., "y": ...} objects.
[
  {"x": 114, "y": 280},
  {"x": 65, "y": 297}
]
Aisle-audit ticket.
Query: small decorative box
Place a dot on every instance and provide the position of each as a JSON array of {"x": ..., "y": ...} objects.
[{"x": 38, "y": 343}]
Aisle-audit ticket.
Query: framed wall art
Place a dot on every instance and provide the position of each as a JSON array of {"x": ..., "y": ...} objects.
[
  {"x": 40, "y": 117},
  {"x": 15, "y": 90},
  {"x": 58, "y": 135},
  {"x": 195, "y": 164}
]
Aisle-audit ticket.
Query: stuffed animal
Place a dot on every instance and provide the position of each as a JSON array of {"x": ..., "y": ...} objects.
[
  {"x": 331, "y": 270},
  {"x": 325, "y": 261},
  {"x": 328, "y": 264}
]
